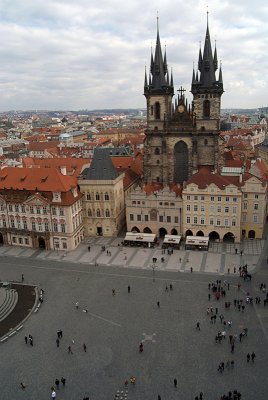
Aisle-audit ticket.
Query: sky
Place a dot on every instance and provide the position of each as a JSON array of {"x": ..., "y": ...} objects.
[{"x": 91, "y": 54}]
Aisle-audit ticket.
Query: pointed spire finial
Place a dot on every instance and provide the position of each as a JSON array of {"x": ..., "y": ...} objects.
[
  {"x": 157, "y": 21},
  {"x": 207, "y": 15}
]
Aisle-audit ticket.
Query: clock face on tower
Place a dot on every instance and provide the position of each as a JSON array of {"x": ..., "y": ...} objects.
[{"x": 181, "y": 108}]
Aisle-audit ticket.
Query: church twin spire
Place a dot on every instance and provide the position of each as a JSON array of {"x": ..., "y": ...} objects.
[
  {"x": 205, "y": 76},
  {"x": 159, "y": 79}
]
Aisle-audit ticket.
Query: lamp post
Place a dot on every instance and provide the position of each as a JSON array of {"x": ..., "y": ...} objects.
[{"x": 153, "y": 266}]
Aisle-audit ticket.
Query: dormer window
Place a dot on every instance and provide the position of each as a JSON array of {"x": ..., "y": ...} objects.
[{"x": 56, "y": 197}]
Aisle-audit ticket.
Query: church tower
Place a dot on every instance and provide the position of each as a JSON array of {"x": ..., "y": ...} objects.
[
  {"x": 180, "y": 138},
  {"x": 159, "y": 92}
]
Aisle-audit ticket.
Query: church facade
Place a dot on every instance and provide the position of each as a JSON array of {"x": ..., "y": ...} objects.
[{"x": 181, "y": 137}]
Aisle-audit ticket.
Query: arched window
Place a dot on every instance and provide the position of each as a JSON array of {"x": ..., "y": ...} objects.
[
  {"x": 106, "y": 196},
  {"x": 89, "y": 213},
  {"x": 88, "y": 196},
  {"x": 152, "y": 110},
  {"x": 97, "y": 196},
  {"x": 98, "y": 213},
  {"x": 157, "y": 151},
  {"x": 107, "y": 213},
  {"x": 206, "y": 109},
  {"x": 157, "y": 110}
]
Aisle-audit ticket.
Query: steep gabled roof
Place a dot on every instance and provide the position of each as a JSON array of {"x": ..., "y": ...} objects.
[{"x": 101, "y": 167}]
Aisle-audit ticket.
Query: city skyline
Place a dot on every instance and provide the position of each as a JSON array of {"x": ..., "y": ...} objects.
[{"x": 59, "y": 55}]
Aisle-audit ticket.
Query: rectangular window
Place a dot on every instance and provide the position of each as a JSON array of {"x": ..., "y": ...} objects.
[
  {"x": 195, "y": 197},
  {"x": 55, "y": 227},
  {"x": 212, "y": 198},
  {"x": 168, "y": 218},
  {"x": 16, "y": 208},
  {"x": 211, "y": 208},
  {"x": 131, "y": 217},
  {"x": 18, "y": 225},
  {"x": 234, "y": 210},
  {"x": 233, "y": 222},
  {"x": 31, "y": 210},
  {"x": 138, "y": 217},
  {"x": 14, "y": 239},
  {"x": 195, "y": 207},
  {"x": 202, "y": 208},
  {"x": 38, "y": 211},
  {"x": 176, "y": 220},
  {"x": 64, "y": 245},
  {"x": 202, "y": 198},
  {"x": 235, "y": 199},
  {"x": 211, "y": 221},
  {"x": 256, "y": 206},
  {"x": 195, "y": 220},
  {"x": 44, "y": 210},
  {"x": 25, "y": 225},
  {"x": 245, "y": 206},
  {"x": 244, "y": 217},
  {"x": 226, "y": 209},
  {"x": 33, "y": 226},
  {"x": 26, "y": 241},
  {"x": 161, "y": 218},
  {"x": 218, "y": 209},
  {"x": 12, "y": 222},
  {"x": 188, "y": 220},
  {"x": 188, "y": 197},
  {"x": 40, "y": 227},
  {"x": 61, "y": 211},
  {"x": 227, "y": 199},
  {"x": 10, "y": 207},
  {"x": 54, "y": 211},
  {"x": 63, "y": 228},
  {"x": 219, "y": 198},
  {"x": 20, "y": 240},
  {"x": 46, "y": 227},
  {"x": 218, "y": 222},
  {"x": 245, "y": 196},
  {"x": 255, "y": 218},
  {"x": 4, "y": 223},
  {"x": 202, "y": 221},
  {"x": 188, "y": 207},
  {"x": 256, "y": 196},
  {"x": 146, "y": 218},
  {"x": 23, "y": 209},
  {"x": 226, "y": 222}
]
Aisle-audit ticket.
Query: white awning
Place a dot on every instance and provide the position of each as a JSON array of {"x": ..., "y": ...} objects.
[
  {"x": 172, "y": 239},
  {"x": 197, "y": 240},
  {"x": 140, "y": 237}
]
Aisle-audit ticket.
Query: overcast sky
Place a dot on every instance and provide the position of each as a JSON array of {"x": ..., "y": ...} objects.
[{"x": 91, "y": 54}]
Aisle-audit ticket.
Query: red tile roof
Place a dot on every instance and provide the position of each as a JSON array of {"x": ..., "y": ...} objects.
[
  {"x": 73, "y": 166},
  {"x": 204, "y": 177}
]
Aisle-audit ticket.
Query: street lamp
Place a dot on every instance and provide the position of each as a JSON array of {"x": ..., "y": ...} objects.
[{"x": 153, "y": 266}]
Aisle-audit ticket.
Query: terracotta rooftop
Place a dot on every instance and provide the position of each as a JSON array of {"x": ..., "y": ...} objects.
[{"x": 73, "y": 165}]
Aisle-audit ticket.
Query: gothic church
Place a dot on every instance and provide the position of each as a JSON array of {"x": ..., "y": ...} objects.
[{"x": 181, "y": 137}]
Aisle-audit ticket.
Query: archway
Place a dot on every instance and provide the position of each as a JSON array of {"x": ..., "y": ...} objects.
[
  {"x": 147, "y": 230},
  {"x": 135, "y": 230},
  {"x": 214, "y": 236},
  {"x": 251, "y": 234},
  {"x": 188, "y": 233},
  {"x": 180, "y": 162},
  {"x": 200, "y": 233},
  {"x": 42, "y": 243},
  {"x": 174, "y": 231},
  {"x": 1, "y": 239},
  {"x": 162, "y": 232},
  {"x": 229, "y": 237}
]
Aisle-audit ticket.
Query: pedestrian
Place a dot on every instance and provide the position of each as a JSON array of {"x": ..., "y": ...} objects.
[
  {"x": 248, "y": 357},
  {"x": 26, "y": 340},
  {"x": 88, "y": 248},
  {"x": 253, "y": 356},
  {"x": 57, "y": 383},
  {"x": 175, "y": 382},
  {"x": 58, "y": 342},
  {"x": 113, "y": 292},
  {"x": 201, "y": 396},
  {"x": 128, "y": 289},
  {"x": 159, "y": 397},
  {"x": 85, "y": 347},
  {"x": 216, "y": 310},
  {"x": 197, "y": 326},
  {"x": 232, "y": 348},
  {"x": 70, "y": 350},
  {"x": 77, "y": 305},
  {"x": 58, "y": 334},
  {"x": 170, "y": 286},
  {"x": 63, "y": 381},
  {"x": 22, "y": 277},
  {"x": 22, "y": 385},
  {"x": 31, "y": 340},
  {"x": 53, "y": 394},
  {"x": 158, "y": 304}
]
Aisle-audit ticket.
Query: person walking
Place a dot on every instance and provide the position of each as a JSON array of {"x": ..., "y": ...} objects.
[
  {"x": 22, "y": 277},
  {"x": 175, "y": 382},
  {"x": 253, "y": 356},
  {"x": 63, "y": 381},
  {"x": 128, "y": 289},
  {"x": 58, "y": 342},
  {"x": 53, "y": 394},
  {"x": 70, "y": 350},
  {"x": 158, "y": 304},
  {"x": 77, "y": 305},
  {"x": 248, "y": 357},
  {"x": 57, "y": 383},
  {"x": 31, "y": 340},
  {"x": 26, "y": 340},
  {"x": 85, "y": 347},
  {"x": 197, "y": 326}
]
